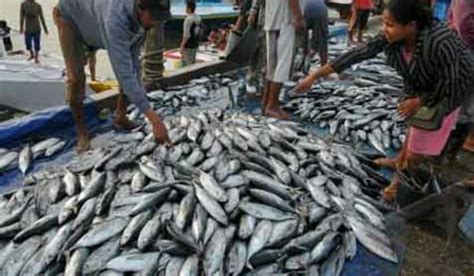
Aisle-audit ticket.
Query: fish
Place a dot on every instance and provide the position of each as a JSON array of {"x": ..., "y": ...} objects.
[
  {"x": 50, "y": 151},
  {"x": 8, "y": 159},
  {"x": 211, "y": 206},
  {"x": 103, "y": 232},
  {"x": 134, "y": 262},
  {"x": 259, "y": 238},
  {"x": 25, "y": 159},
  {"x": 237, "y": 194},
  {"x": 262, "y": 211}
]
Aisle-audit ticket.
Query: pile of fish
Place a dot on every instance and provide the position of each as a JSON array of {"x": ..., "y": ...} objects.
[
  {"x": 234, "y": 195},
  {"x": 22, "y": 160},
  {"x": 196, "y": 93},
  {"x": 359, "y": 110}
]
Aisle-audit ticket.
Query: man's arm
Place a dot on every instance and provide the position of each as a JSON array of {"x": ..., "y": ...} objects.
[
  {"x": 297, "y": 14},
  {"x": 119, "y": 49},
  {"x": 42, "y": 19}
]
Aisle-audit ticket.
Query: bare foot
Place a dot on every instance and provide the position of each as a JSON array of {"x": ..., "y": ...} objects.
[
  {"x": 36, "y": 60},
  {"x": 83, "y": 144},
  {"x": 469, "y": 144},
  {"x": 31, "y": 58},
  {"x": 386, "y": 162},
  {"x": 124, "y": 124},
  {"x": 277, "y": 114}
]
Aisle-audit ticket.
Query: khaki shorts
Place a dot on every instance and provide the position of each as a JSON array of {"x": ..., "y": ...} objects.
[
  {"x": 280, "y": 47},
  {"x": 73, "y": 54}
]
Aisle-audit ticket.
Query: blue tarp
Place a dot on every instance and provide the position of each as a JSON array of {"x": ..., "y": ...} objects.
[
  {"x": 45, "y": 122},
  {"x": 52, "y": 122},
  {"x": 57, "y": 122}
]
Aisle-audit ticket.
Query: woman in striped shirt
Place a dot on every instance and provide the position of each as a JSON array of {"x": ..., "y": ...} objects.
[{"x": 436, "y": 67}]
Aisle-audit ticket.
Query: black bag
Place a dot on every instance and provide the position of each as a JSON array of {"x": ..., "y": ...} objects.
[
  {"x": 427, "y": 118},
  {"x": 241, "y": 46}
]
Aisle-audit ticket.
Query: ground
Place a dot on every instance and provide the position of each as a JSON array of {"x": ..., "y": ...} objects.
[{"x": 427, "y": 251}]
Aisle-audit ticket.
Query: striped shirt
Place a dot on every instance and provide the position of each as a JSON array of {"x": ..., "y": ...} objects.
[{"x": 441, "y": 69}]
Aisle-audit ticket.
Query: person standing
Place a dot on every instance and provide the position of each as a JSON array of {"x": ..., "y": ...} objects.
[
  {"x": 437, "y": 69},
  {"x": 117, "y": 26},
  {"x": 153, "y": 61},
  {"x": 316, "y": 21},
  {"x": 256, "y": 19},
  {"x": 461, "y": 19},
  {"x": 282, "y": 19},
  {"x": 362, "y": 9},
  {"x": 191, "y": 30},
  {"x": 5, "y": 36},
  {"x": 31, "y": 14}
]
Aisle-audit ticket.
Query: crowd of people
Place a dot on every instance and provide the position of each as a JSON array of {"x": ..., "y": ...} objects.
[{"x": 434, "y": 57}]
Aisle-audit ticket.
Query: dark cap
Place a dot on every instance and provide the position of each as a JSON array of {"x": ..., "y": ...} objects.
[{"x": 159, "y": 9}]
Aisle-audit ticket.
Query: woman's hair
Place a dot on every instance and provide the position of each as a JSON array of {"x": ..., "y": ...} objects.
[{"x": 406, "y": 11}]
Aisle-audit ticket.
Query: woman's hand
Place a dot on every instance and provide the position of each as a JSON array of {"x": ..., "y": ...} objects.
[{"x": 409, "y": 107}]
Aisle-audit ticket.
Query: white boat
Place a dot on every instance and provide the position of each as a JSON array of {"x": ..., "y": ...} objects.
[{"x": 30, "y": 87}]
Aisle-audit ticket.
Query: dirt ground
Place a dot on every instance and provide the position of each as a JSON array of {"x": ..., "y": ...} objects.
[{"x": 428, "y": 251}]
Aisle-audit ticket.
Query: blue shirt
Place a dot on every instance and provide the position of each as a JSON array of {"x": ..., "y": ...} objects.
[{"x": 112, "y": 25}]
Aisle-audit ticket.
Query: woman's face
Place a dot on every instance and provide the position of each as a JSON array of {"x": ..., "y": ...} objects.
[{"x": 394, "y": 31}]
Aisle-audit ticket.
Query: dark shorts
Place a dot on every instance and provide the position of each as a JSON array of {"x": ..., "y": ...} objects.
[
  {"x": 362, "y": 19},
  {"x": 33, "y": 38},
  {"x": 319, "y": 39}
]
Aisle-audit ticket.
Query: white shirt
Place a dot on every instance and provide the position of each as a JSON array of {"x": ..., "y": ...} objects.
[{"x": 278, "y": 13}]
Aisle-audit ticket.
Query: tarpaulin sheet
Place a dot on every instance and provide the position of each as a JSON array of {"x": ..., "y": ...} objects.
[
  {"x": 53, "y": 122},
  {"x": 58, "y": 123}
]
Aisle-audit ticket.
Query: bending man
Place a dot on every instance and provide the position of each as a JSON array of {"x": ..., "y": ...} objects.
[{"x": 117, "y": 26}]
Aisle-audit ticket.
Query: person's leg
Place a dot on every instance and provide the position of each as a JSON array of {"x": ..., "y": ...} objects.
[
  {"x": 121, "y": 120},
  {"x": 37, "y": 43},
  {"x": 271, "y": 39},
  {"x": 412, "y": 161},
  {"x": 186, "y": 58},
  {"x": 308, "y": 44},
  {"x": 193, "y": 55},
  {"x": 364, "y": 19},
  {"x": 255, "y": 65},
  {"x": 73, "y": 58},
  {"x": 351, "y": 27},
  {"x": 152, "y": 61},
  {"x": 392, "y": 162},
  {"x": 285, "y": 48},
  {"x": 29, "y": 47},
  {"x": 92, "y": 64},
  {"x": 322, "y": 32}
]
